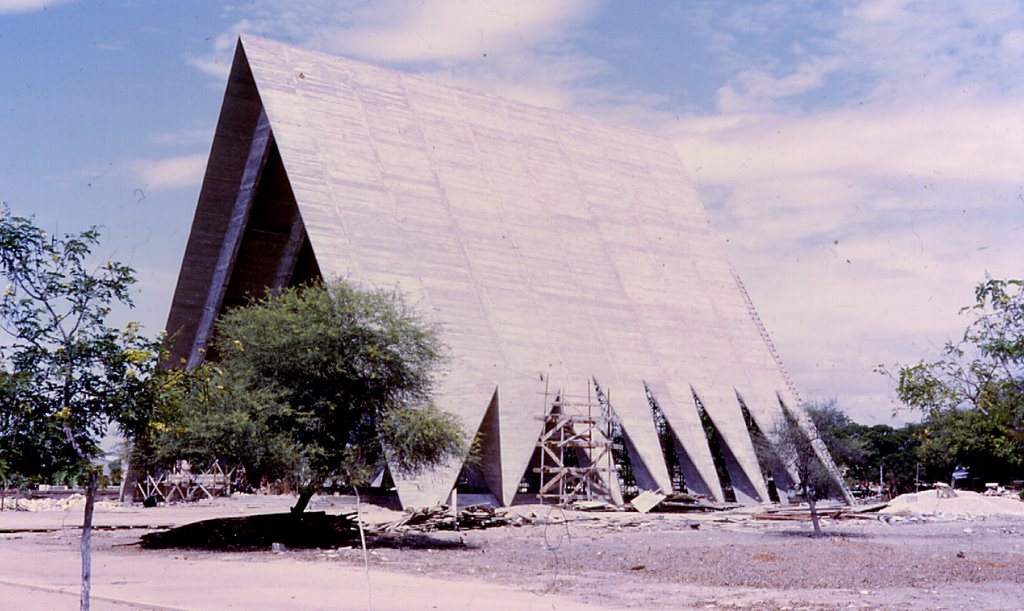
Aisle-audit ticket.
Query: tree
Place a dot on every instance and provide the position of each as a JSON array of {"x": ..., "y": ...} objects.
[
  {"x": 207, "y": 414},
  {"x": 33, "y": 448},
  {"x": 323, "y": 382},
  {"x": 972, "y": 397},
  {"x": 894, "y": 450},
  {"x": 793, "y": 450},
  {"x": 68, "y": 375}
]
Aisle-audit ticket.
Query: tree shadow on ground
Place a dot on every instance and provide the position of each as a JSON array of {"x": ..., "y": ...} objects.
[
  {"x": 416, "y": 541},
  {"x": 307, "y": 530},
  {"x": 825, "y": 534}
]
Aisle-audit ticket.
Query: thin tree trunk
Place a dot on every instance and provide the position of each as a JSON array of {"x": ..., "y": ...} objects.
[
  {"x": 90, "y": 501},
  {"x": 362, "y": 541},
  {"x": 127, "y": 492},
  {"x": 814, "y": 511},
  {"x": 304, "y": 496}
]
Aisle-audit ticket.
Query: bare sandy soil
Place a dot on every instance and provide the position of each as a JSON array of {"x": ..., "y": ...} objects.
[{"x": 565, "y": 560}]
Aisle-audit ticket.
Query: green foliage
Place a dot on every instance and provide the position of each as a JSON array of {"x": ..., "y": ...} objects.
[
  {"x": 972, "y": 397},
  {"x": 415, "y": 438},
  {"x": 209, "y": 414},
  {"x": 895, "y": 450},
  {"x": 116, "y": 468},
  {"x": 67, "y": 374},
  {"x": 33, "y": 448},
  {"x": 318, "y": 382},
  {"x": 990, "y": 444}
]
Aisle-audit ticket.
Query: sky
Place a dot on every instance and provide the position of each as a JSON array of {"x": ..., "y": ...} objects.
[{"x": 863, "y": 159}]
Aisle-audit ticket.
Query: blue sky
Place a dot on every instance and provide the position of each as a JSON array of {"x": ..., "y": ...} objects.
[{"x": 863, "y": 159}]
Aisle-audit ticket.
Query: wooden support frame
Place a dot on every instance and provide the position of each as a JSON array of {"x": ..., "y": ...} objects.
[
  {"x": 184, "y": 486},
  {"x": 571, "y": 425}
]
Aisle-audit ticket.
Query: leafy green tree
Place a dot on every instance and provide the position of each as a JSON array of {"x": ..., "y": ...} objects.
[
  {"x": 328, "y": 382},
  {"x": 894, "y": 450},
  {"x": 33, "y": 449},
  {"x": 972, "y": 397},
  {"x": 793, "y": 450},
  {"x": 209, "y": 414},
  {"x": 68, "y": 375}
]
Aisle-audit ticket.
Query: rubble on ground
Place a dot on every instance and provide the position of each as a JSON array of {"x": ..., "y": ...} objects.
[
  {"x": 677, "y": 502},
  {"x": 682, "y": 502},
  {"x": 74, "y": 502},
  {"x": 832, "y": 511},
  {"x": 440, "y": 517}
]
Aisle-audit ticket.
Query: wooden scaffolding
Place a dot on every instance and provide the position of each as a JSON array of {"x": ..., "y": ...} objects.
[{"x": 576, "y": 460}]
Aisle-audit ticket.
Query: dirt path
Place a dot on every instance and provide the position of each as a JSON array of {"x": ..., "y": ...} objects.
[{"x": 617, "y": 561}]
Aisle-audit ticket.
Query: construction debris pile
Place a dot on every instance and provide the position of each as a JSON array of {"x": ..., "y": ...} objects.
[
  {"x": 678, "y": 502},
  {"x": 74, "y": 502},
  {"x": 440, "y": 517},
  {"x": 831, "y": 511}
]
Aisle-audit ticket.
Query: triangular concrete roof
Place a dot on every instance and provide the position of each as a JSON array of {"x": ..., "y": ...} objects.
[{"x": 553, "y": 250}]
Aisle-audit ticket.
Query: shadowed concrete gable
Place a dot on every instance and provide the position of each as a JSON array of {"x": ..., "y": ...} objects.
[{"x": 552, "y": 249}]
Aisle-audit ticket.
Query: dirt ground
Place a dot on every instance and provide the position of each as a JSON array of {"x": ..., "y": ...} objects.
[{"x": 564, "y": 560}]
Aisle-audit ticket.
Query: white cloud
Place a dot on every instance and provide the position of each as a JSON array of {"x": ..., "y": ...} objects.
[
  {"x": 881, "y": 10},
  {"x": 398, "y": 31},
  {"x": 217, "y": 63},
  {"x": 919, "y": 50},
  {"x": 517, "y": 48},
  {"x": 26, "y": 6},
  {"x": 170, "y": 173},
  {"x": 963, "y": 138},
  {"x": 450, "y": 30},
  {"x": 868, "y": 183},
  {"x": 188, "y": 137},
  {"x": 860, "y": 233},
  {"x": 1013, "y": 43},
  {"x": 757, "y": 89}
]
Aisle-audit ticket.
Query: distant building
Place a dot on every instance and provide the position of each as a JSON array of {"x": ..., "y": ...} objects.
[{"x": 556, "y": 252}]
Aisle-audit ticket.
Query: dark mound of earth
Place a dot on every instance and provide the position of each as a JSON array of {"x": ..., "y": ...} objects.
[{"x": 293, "y": 530}]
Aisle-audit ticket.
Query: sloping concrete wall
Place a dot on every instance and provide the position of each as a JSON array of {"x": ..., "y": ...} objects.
[{"x": 552, "y": 249}]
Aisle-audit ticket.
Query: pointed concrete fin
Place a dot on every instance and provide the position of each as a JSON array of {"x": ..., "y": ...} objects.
[
  {"x": 239, "y": 147},
  {"x": 468, "y": 400},
  {"x": 723, "y": 409},
  {"x": 488, "y": 442},
  {"x": 632, "y": 408},
  {"x": 428, "y": 488},
  {"x": 676, "y": 402},
  {"x": 521, "y": 407},
  {"x": 763, "y": 405},
  {"x": 760, "y": 413}
]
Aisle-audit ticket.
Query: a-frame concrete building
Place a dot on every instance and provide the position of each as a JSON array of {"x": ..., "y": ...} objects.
[{"x": 554, "y": 250}]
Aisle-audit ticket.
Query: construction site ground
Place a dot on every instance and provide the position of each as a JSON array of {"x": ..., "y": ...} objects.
[{"x": 560, "y": 560}]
